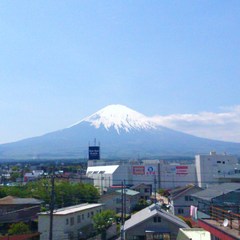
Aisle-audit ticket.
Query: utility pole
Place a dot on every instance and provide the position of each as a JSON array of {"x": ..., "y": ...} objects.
[
  {"x": 155, "y": 189},
  {"x": 124, "y": 199},
  {"x": 52, "y": 206},
  {"x": 122, "y": 214}
]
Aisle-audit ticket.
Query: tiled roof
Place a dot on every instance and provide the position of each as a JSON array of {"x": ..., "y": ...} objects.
[{"x": 15, "y": 200}]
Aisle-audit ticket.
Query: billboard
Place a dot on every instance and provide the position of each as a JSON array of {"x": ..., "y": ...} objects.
[
  {"x": 93, "y": 152},
  {"x": 150, "y": 170},
  {"x": 138, "y": 170},
  {"x": 181, "y": 170}
]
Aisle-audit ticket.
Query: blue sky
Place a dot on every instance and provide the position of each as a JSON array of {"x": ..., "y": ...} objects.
[{"x": 63, "y": 60}]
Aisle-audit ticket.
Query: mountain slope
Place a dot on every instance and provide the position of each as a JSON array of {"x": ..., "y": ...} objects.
[{"x": 123, "y": 133}]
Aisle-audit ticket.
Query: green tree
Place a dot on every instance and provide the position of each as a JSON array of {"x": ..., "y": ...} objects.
[
  {"x": 103, "y": 220},
  {"x": 18, "y": 228}
]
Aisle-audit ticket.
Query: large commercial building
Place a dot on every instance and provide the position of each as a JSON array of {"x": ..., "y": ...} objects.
[
  {"x": 216, "y": 168},
  {"x": 207, "y": 169}
]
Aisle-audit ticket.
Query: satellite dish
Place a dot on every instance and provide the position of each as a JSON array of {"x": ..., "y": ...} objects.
[{"x": 225, "y": 222}]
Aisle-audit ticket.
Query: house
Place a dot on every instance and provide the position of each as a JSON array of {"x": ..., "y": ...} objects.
[
  {"x": 73, "y": 222},
  {"x": 144, "y": 189},
  {"x": 153, "y": 223},
  {"x": 14, "y": 209},
  {"x": 113, "y": 200},
  {"x": 32, "y": 176},
  {"x": 225, "y": 195},
  {"x": 181, "y": 199},
  {"x": 218, "y": 210}
]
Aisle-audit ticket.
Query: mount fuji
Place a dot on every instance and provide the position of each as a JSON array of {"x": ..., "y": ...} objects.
[{"x": 122, "y": 132}]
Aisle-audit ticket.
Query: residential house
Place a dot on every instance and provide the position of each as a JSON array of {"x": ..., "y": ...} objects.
[
  {"x": 153, "y": 223},
  {"x": 32, "y": 176},
  {"x": 14, "y": 209},
  {"x": 181, "y": 199},
  {"x": 144, "y": 189},
  {"x": 73, "y": 222},
  {"x": 113, "y": 200},
  {"x": 218, "y": 210},
  {"x": 225, "y": 196}
]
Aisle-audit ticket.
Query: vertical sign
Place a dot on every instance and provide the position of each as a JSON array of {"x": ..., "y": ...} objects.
[{"x": 94, "y": 153}]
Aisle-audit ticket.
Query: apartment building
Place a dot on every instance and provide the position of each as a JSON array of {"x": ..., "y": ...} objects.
[{"x": 73, "y": 222}]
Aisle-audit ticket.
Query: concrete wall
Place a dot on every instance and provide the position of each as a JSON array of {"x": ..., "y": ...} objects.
[{"x": 65, "y": 225}]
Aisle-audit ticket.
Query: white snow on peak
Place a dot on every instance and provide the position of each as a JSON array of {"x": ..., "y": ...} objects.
[{"x": 120, "y": 118}]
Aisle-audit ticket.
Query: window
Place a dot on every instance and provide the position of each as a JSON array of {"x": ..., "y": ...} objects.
[
  {"x": 223, "y": 162},
  {"x": 157, "y": 236},
  {"x": 157, "y": 219},
  {"x": 92, "y": 213},
  {"x": 72, "y": 221},
  {"x": 180, "y": 211},
  {"x": 79, "y": 218},
  {"x": 219, "y": 162},
  {"x": 82, "y": 216},
  {"x": 188, "y": 198},
  {"x": 67, "y": 221},
  {"x": 88, "y": 214}
]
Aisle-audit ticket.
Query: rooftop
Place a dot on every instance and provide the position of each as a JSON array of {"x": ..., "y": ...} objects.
[
  {"x": 128, "y": 192},
  {"x": 15, "y": 200},
  {"x": 73, "y": 209},
  {"x": 102, "y": 169},
  {"x": 150, "y": 212},
  {"x": 216, "y": 190}
]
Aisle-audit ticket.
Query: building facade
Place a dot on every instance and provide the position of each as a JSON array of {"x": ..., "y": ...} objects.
[
  {"x": 153, "y": 223},
  {"x": 216, "y": 168},
  {"x": 73, "y": 222}
]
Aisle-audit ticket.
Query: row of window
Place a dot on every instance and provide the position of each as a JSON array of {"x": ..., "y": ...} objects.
[{"x": 80, "y": 218}]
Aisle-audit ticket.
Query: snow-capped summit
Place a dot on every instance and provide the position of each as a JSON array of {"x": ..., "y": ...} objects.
[{"x": 120, "y": 118}]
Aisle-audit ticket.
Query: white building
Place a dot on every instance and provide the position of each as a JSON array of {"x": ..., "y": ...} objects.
[
  {"x": 106, "y": 176},
  {"x": 193, "y": 233},
  {"x": 70, "y": 222},
  {"x": 216, "y": 168},
  {"x": 152, "y": 172},
  {"x": 207, "y": 169}
]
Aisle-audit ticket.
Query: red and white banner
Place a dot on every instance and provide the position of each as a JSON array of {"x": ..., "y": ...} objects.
[
  {"x": 138, "y": 170},
  {"x": 182, "y": 170}
]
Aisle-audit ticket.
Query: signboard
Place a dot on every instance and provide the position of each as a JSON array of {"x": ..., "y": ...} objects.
[
  {"x": 94, "y": 153},
  {"x": 150, "y": 170},
  {"x": 138, "y": 170},
  {"x": 181, "y": 170}
]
